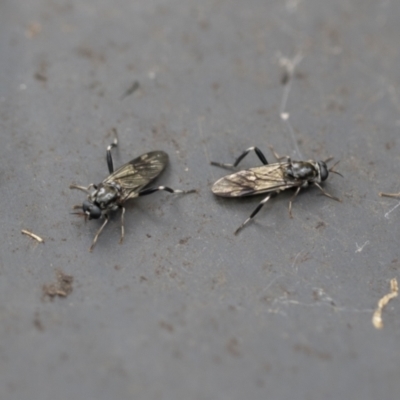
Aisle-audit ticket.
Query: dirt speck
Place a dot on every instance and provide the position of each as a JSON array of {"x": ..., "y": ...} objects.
[
  {"x": 62, "y": 287},
  {"x": 308, "y": 351},
  {"x": 117, "y": 267},
  {"x": 90, "y": 54},
  {"x": 165, "y": 325},
  {"x": 40, "y": 77},
  {"x": 233, "y": 347},
  {"x": 38, "y": 323},
  {"x": 320, "y": 224},
  {"x": 390, "y": 145},
  {"x": 184, "y": 240}
]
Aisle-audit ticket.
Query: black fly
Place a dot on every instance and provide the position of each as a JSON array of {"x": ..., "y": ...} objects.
[
  {"x": 271, "y": 178},
  {"x": 127, "y": 182}
]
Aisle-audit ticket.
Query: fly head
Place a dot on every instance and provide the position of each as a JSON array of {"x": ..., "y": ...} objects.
[
  {"x": 324, "y": 172},
  {"x": 91, "y": 210}
]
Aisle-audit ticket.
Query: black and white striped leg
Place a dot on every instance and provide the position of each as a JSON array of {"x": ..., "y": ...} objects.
[
  {"x": 122, "y": 225},
  {"x": 259, "y": 153},
  {"x": 253, "y": 214},
  {"x": 83, "y": 188},
  {"x": 291, "y": 201},
  {"x": 389, "y": 194},
  {"x": 109, "y": 155},
  {"x": 145, "y": 192},
  {"x": 325, "y": 193},
  {"x": 98, "y": 233}
]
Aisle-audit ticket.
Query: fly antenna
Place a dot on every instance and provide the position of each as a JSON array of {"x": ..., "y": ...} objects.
[{"x": 335, "y": 172}]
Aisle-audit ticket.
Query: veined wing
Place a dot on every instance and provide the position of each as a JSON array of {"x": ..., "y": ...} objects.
[
  {"x": 267, "y": 178},
  {"x": 139, "y": 172}
]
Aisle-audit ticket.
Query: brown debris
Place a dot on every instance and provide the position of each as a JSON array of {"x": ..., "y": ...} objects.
[
  {"x": 394, "y": 292},
  {"x": 32, "y": 235},
  {"x": 33, "y": 29},
  {"x": 62, "y": 288}
]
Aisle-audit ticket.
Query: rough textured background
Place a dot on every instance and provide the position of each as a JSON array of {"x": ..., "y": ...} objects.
[{"x": 184, "y": 309}]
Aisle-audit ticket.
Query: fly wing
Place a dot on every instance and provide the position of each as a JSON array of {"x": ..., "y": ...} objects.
[
  {"x": 264, "y": 179},
  {"x": 139, "y": 172}
]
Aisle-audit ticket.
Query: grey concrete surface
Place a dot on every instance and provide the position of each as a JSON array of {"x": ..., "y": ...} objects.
[{"x": 184, "y": 309}]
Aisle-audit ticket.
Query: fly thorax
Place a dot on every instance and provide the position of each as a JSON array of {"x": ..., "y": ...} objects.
[
  {"x": 106, "y": 195},
  {"x": 303, "y": 170}
]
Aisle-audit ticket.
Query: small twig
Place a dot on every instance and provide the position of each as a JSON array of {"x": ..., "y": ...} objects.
[
  {"x": 32, "y": 235},
  {"x": 394, "y": 292}
]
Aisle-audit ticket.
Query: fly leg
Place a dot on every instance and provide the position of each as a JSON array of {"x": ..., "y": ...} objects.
[
  {"x": 389, "y": 194},
  {"x": 291, "y": 201},
  {"x": 122, "y": 225},
  {"x": 325, "y": 193},
  {"x": 109, "y": 155},
  {"x": 259, "y": 153},
  {"x": 83, "y": 188},
  {"x": 145, "y": 192},
  {"x": 277, "y": 156},
  {"x": 98, "y": 233},
  {"x": 253, "y": 214}
]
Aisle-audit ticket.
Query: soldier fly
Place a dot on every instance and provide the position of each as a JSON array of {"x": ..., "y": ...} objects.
[
  {"x": 127, "y": 182},
  {"x": 271, "y": 179}
]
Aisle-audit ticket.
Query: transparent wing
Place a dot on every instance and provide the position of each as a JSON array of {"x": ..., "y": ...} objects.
[
  {"x": 139, "y": 172},
  {"x": 264, "y": 179}
]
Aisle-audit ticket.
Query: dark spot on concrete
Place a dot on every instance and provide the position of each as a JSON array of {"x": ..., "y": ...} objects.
[
  {"x": 390, "y": 145},
  {"x": 131, "y": 89},
  {"x": 117, "y": 267},
  {"x": 62, "y": 287},
  {"x": 320, "y": 224},
  {"x": 90, "y": 54},
  {"x": 260, "y": 382},
  {"x": 40, "y": 77},
  {"x": 38, "y": 323},
  {"x": 184, "y": 240},
  {"x": 309, "y": 351},
  {"x": 233, "y": 347},
  {"x": 165, "y": 325}
]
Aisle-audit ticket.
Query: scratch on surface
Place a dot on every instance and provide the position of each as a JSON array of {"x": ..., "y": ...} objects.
[
  {"x": 360, "y": 249},
  {"x": 200, "y": 127},
  {"x": 382, "y": 80},
  {"x": 271, "y": 283},
  {"x": 325, "y": 301},
  {"x": 394, "y": 292},
  {"x": 289, "y": 66},
  {"x": 391, "y": 210},
  {"x": 295, "y": 259}
]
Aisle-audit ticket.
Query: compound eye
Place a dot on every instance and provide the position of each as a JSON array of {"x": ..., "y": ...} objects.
[
  {"x": 323, "y": 170},
  {"x": 86, "y": 206},
  {"x": 95, "y": 212},
  {"x": 91, "y": 210}
]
